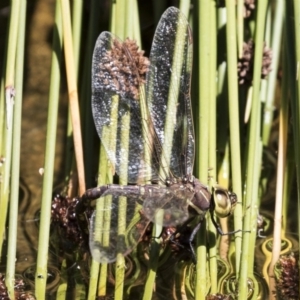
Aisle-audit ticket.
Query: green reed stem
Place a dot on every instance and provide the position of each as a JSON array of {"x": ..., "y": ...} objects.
[
  {"x": 122, "y": 206},
  {"x": 212, "y": 144},
  {"x": 154, "y": 256},
  {"x": 12, "y": 43},
  {"x": 8, "y": 114},
  {"x": 204, "y": 92},
  {"x": 98, "y": 273},
  {"x": 44, "y": 230},
  {"x": 234, "y": 123},
  {"x": 185, "y": 6},
  {"x": 156, "y": 231},
  {"x": 222, "y": 91},
  {"x": 118, "y": 21},
  {"x": 254, "y": 209},
  {"x": 122, "y": 27},
  {"x": 203, "y": 133},
  {"x": 201, "y": 287},
  {"x": 169, "y": 129},
  {"x": 276, "y": 43},
  {"x": 173, "y": 94},
  {"x": 109, "y": 136},
  {"x": 2, "y": 118},
  {"x": 130, "y": 23},
  {"x": 253, "y": 151},
  {"x": 77, "y": 13},
  {"x": 4, "y": 200},
  {"x": 94, "y": 277},
  {"x": 16, "y": 146},
  {"x": 240, "y": 27}
]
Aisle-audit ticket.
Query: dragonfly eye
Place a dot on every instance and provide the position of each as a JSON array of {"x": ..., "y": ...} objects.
[{"x": 224, "y": 202}]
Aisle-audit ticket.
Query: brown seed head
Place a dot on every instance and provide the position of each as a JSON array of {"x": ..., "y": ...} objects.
[{"x": 124, "y": 68}]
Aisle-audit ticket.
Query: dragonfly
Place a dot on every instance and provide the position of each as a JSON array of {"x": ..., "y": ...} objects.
[{"x": 143, "y": 114}]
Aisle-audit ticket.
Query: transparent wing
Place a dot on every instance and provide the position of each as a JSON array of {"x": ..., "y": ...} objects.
[
  {"x": 172, "y": 202},
  {"x": 168, "y": 92},
  {"x": 116, "y": 226},
  {"x": 116, "y": 104}
]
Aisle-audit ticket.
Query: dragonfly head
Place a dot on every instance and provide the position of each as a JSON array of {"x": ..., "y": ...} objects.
[{"x": 223, "y": 201}]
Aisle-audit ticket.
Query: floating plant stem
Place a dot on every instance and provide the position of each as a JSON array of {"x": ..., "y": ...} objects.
[
  {"x": 44, "y": 230},
  {"x": 16, "y": 146}
]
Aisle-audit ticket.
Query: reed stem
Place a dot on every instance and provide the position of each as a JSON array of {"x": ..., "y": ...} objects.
[
  {"x": 234, "y": 123},
  {"x": 253, "y": 152},
  {"x": 73, "y": 95},
  {"x": 16, "y": 146},
  {"x": 45, "y": 217}
]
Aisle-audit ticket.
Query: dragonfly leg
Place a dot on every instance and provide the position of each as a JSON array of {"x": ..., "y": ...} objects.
[
  {"x": 219, "y": 229},
  {"x": 191, "y": 238}
]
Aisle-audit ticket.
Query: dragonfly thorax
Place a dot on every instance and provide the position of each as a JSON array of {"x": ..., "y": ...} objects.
[{"x": 201, "y": 200}]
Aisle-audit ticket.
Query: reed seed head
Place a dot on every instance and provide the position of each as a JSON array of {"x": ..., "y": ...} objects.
[{"x": 124, "y": 68}]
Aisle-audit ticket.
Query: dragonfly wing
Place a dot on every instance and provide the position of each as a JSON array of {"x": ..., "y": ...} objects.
[
  {"x": 168, "y": 92},
  {"x": 116, "y": 107},
  {"x": 173, "y": 203},
  {"x": 116, "y": 226}
]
